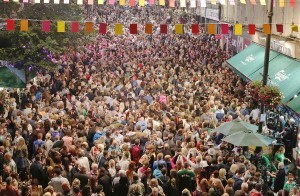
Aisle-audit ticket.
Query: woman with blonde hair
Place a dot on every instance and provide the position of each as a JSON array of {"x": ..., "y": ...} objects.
[
  {"x": 222, "y": 176},
  {"x": 20, "y": 155},
  {"x": 279, "y": 156},
  {"x": 112, "y": 167}
]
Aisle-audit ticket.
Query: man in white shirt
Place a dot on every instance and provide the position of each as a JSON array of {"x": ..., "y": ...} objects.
[{"x": 57, "y": 181}]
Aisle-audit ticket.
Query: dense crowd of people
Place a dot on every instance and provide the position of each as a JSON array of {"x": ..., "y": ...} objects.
[{"x": 133, "y": 115}]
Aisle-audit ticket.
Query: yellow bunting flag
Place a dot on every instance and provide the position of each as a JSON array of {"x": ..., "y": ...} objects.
[
  {"x": 162, "y": 2},
  {"x": 24, "y": 25},
  {"x": 211, "y": 28},
  {"x": 178, "y": 28},
  {"x": 61, "y": 26},
  {"x": 238, "y": 29},
  {"x": 142, "y": 3},
  {"x": 243, "y": 1},
  {"x": 213, "y": 2},
  {"x": 118, "y": 29},
  {"x": 266, "y": 28},
  {"x": 100, "y": 2},
  {"x": 79, "y": 2},
  {"x": 281, "y": 3},
  {"x": 263, "y": 2},
  {"x": 122, "y": 2}
]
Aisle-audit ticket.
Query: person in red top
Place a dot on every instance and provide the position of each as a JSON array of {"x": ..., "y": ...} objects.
[
  {"x": 9, "y": 189},
  {"x": 136, "y": 151}
]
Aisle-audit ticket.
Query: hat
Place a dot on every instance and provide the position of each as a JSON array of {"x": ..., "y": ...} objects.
[
  {"x": 203, "y": 164},
  {"x": 211, "y": 151}
]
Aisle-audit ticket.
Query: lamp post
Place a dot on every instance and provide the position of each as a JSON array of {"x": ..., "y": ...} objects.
[{"x": 266, "y": 61}]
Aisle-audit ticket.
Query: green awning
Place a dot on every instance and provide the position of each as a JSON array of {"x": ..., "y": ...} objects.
[
  {"x": 249, "y": 60},
  {"x": 295, "y": 105},
  {"x": 284, "y": 72}
]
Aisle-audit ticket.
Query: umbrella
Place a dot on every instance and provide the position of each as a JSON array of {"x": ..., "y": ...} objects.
[
  {"x": 234, "y": 126},
  {"x": 248, "y": 138}
]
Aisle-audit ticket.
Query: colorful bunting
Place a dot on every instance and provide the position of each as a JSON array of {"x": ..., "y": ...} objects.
[
  {"x": 292, "y": 3},
  {"x": 162, "y": 2},
  {"x": 267, "y": 29},
  {"x": 294, "y": 28},
  {"x": 224, "y": 28},
  {"x": 243, "y": 1},
  {"x": 281, "y": 3},
  {"x": 182, "y": 3},
  {"x": 238, "y": 29},
  {"x": 132, "y": 3},
  {"x": 148, "y": 28},
  {"x": 213, "y": 2},
  {"x": 74, "y": 27},
  {"x": 195, "y": 28},
  {"x": 118, "y": 29},
  {"x": 223, "y": 2},
  {"x": 251, "y": 29},
  {"x": 193, "y": 4},
  {"x": 253, "y": 2},
  {"x": 142, "y": 3},
  {"x": 46, "y": 26},
  {"x": 151, "y": 2},
  {"x": 111, "y": 2},
  {"x": 10, "y": 24},
  {"x": 164, "y": 29},
  {"x": 279, "y": 28},
  {"x": 263, "y": 2},
  {"x": 133, "y": 29},
  {"x": 232, "y": 2},
  {"x": 171, "y": 3},
  {"x": 102, "y": 28},
  {"x": 24, "y": 25},
  {"x": 203, "y": 3},
  {"x": 211, "y": 28},
  {"x": 178, "y": 28},
  {"x": 61, "y": 26},
  {"x": 122, "y": 2},
  {"x": 89, "y": 27}
]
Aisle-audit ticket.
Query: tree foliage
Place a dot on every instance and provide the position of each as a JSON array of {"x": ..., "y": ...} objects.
[{"x": 35, "y": 47}]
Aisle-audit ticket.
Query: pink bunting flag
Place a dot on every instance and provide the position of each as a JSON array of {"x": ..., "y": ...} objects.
[{"x": 111, "y": 2}]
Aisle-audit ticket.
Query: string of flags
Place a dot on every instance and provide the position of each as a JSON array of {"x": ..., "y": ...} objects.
[
  {"x": 89, "y": 27},
  {"x": 142, "y": 3}
]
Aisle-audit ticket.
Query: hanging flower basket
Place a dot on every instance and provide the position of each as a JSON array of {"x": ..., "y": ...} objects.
[{"x": 268, "y": 95}]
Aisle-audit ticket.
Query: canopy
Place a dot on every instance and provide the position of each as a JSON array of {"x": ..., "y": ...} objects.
[
  {"x": 12, "y": 77},
  {"x": 283, "y": 71},
  {"x": 249, "y": 60},
  {"x": 248, "y": 138},
  {"x": 234, "y": 126},
  {"x": 295, "y": 105}
]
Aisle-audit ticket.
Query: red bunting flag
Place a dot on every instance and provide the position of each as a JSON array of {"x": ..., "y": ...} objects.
[
  {"x": 293, "y": 3},
  {"x": 253, "y": 2},
  {"x": 74, "y": 27},
  {"x": 195, "y": 28},
  {"x": 10, "y": 24},
  {"x": 148, "y": 28},
  {"x": 102, "y": 28},
  {"x": 132, "y": 3},
  {"x": 279, "y": 28},
  {"x": 251, "y": 29},
  {"x": 133, "y": 28},
  {"x": 164, "y": 29},
  {"x": 46, "y": 26},
  {"x": 224, "y": 28}
]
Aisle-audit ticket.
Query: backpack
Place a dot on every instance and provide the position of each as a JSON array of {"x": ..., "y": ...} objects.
[
  {"x": 136, "y": 153},
  {"x": 163, "y": 181}
]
